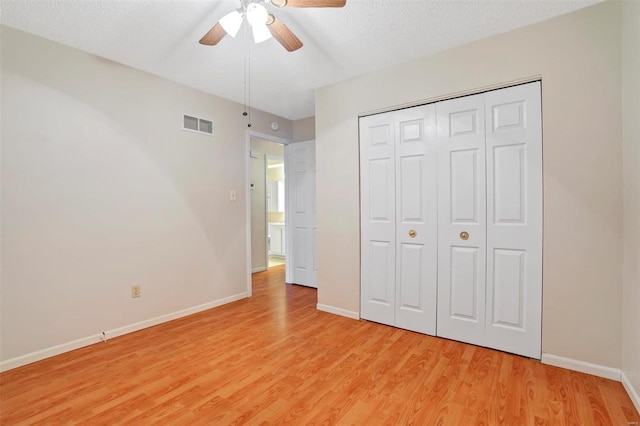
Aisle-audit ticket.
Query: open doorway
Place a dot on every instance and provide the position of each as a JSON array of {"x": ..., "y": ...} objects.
[
  {"x": 291, "y": 241},
  {"x": 268, "y": 238},
  {"x": 276, "y": 230}
]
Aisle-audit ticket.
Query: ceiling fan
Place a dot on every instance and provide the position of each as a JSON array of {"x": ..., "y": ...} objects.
[{"x": 264, "y": 25}]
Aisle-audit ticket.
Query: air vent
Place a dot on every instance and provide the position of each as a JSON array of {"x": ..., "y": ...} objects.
[
  {"x": 196, "y": 124},
  {"x": 206, "y": 126},
  {"x": 190, "y": 123}
]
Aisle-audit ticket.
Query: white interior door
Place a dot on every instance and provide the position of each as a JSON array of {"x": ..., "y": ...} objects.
[
  {"x": 300, "y": 171},
  {"x": 461, "y": 219},
  {"x": 416, "y": 219},
  {"x": 378, "y": 218},
  {"x": 514, "y": 219}
]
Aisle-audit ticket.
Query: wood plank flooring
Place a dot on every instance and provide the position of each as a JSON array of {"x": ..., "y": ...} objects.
[{"x": 275, "y": 359}]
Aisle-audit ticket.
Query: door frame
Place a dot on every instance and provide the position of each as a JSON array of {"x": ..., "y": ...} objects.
[{"x": 247, "y": 175}]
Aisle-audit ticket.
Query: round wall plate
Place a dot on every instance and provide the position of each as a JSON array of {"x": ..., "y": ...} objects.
[{"x": 275, "y": 126}]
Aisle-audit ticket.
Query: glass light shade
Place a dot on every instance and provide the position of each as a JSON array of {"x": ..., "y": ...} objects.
[
  {"x": 231, "y": 23},
  {"x": 256, "y": 14},
  {"x": 260, "y": 33}
]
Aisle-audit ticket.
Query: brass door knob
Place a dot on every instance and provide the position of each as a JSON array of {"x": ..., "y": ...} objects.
[
  {"x": 413, "y": 233},
  {"x": 464, "y": 235}
]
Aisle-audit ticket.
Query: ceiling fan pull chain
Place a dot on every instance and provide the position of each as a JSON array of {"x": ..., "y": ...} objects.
[
  {"x": 246, "y": 67},
  {"x": 244, "y": 70},
  {"x": 249, "y": 80},
  {"x": 247, "y": 76}
]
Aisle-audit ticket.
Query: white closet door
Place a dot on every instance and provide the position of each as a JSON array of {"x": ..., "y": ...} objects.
[
  {"x": 377, "y": 218},
  {"x": 461, "y": 219},
  {"x": 300, "y": 159},
  {"x": 514, "y": 219},
  {"x": 416, "y": 214}
]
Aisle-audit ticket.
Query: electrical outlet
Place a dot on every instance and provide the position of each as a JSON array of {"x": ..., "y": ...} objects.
[{"x": 135, "y": 291}]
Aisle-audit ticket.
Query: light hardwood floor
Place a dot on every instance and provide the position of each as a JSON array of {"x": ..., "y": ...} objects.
[{"x": 275, "y": 359}]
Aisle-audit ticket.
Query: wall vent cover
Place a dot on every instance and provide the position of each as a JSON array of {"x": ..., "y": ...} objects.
[{"x": 196, "y": 124}]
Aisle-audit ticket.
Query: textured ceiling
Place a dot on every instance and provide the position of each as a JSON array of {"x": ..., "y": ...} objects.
[{"x": 161, "y": 37}]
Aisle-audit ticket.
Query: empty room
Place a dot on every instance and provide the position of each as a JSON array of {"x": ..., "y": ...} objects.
[{"x": 350, "y": 212}]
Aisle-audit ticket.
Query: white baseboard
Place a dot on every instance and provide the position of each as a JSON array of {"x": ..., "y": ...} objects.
[
  {"x": 633, "y": 394},
  {"x": 582, "y": 366},
  {"x": 596, "y": 370},
  {"x": 174, "y": 315},
  {"x": 49, "y": 352},
  {"x": 96, "y": 338},
  {"x": 258, "y": 269},
  {"x": 338, "y": 311}
]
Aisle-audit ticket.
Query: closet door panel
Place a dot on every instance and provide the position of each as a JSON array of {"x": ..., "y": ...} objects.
[
  {"x": 463, "y": 182},
  {"x": 463, "y": 289},
  {"x": 416, "y": 226},
  {"x": 514, "y": 219},
  {"x": 378, "y": 218},
  {"x": 461, "y": 219}
]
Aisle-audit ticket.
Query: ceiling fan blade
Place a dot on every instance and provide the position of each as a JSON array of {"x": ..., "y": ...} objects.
[
  {"x": 283, "y": 34},
  {"x": 315, "y": 3},
  {"x": 214, "y": 35}
]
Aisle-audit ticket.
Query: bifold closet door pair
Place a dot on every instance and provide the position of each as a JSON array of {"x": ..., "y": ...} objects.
[{"x": 451, "y": 219}]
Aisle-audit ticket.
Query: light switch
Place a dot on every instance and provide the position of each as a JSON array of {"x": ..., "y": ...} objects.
[{"x": 232, "y": 195}]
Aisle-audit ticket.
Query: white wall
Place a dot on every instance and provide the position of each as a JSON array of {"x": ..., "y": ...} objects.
[
  {"x": 101, "y": 190},
  {"x": 578, "y": 57},
  {"x": 631, "y": 173},
  {"x": 259, "y": 149}
]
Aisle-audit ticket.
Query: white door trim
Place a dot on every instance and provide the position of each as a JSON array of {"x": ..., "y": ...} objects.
[
  {"x": 247, "y": 184},
  {"x": 454, "y": 95}
]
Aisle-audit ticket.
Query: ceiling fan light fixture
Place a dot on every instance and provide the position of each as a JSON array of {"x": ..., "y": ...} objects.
[
  {"x": 256, "y": 14},
  {"x": 260, "y": 33},
  {"x": 231, "y": 22},
  {"x": 263, "y": 25}
]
